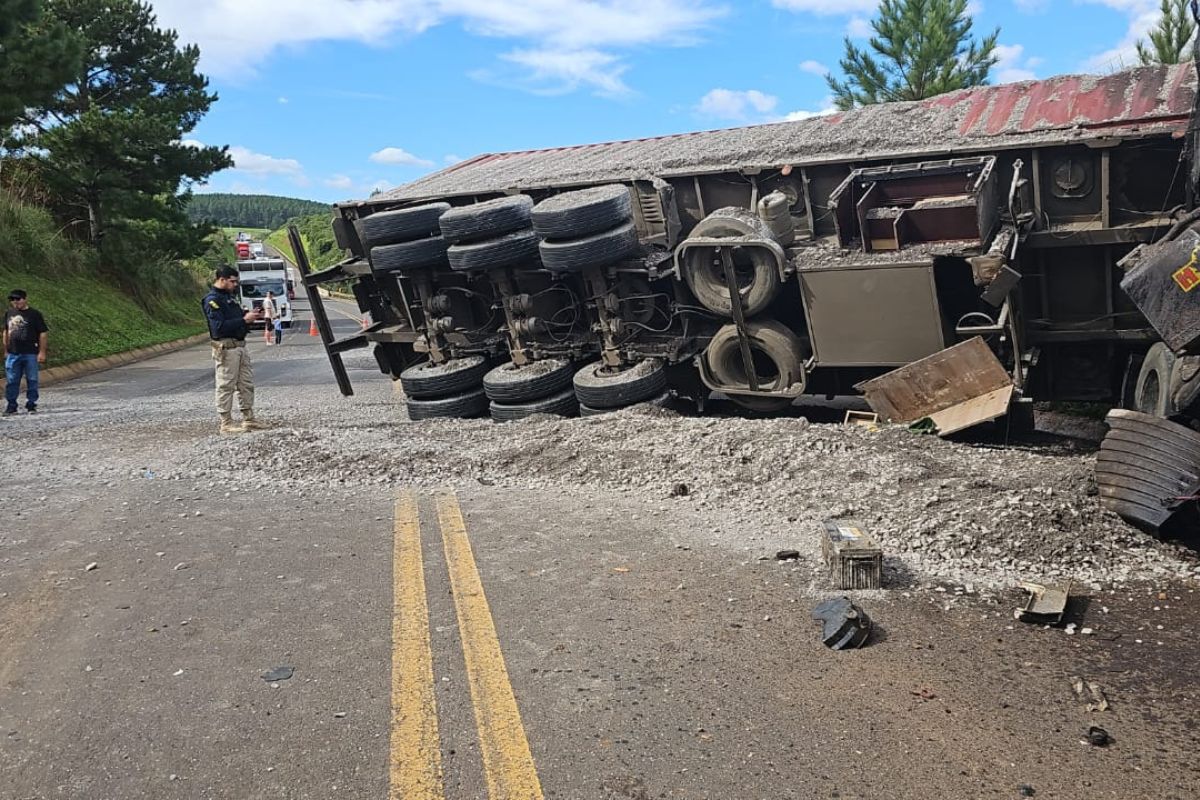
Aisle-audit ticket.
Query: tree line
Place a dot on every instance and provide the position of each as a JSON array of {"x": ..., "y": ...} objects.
[
  {"x": 96, "y": 106},
  {"x": 250, "y": 210}
]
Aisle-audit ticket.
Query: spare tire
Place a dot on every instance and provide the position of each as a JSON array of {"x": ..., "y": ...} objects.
[
  {"x": 597, "y": 386},
  {"x": 486, "y": 220},
  {"x": 509, "y": 383},
  {"x": 755, "y": 269},
  {"x": 1152, "y": 394},
  {"x": 401, "y": 225},
  {"x": 596, "y": 250},
  {"x": 469, "y": 404},
  {"x": 778, "y": 359},
  {"x": 563, "y": 404},
  {"x": 429, "y": 380},
  {"x": 510, "y": 250},
  {"x": 583, "y": 212},
  {"x": 427, "y": 252}
]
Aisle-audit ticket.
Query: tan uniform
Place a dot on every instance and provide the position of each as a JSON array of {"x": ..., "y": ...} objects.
[{"x": 234, "y": 374}]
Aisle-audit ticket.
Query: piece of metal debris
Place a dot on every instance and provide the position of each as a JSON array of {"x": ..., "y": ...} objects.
[
  {"x": 278, "y": 674},
  {"x": 854, "y": 559},
  {"x": 844, "y": 625},
  {"x": 787, "y": 555},
  {"x": 1046, "y": 604},
  {"x": 680, "y": 490},
  {"x": 868, "y": 419}
]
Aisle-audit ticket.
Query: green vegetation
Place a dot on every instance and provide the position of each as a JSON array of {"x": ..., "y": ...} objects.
[
  {"x": 32, "y": 68},
  {"x": 316, "y": 233},
  {"x": 91, "y": 312},
  {"x": 921, "y": 48},
  {"x": 253, "y": 210},
  {"x": 1171, "y": 39}
]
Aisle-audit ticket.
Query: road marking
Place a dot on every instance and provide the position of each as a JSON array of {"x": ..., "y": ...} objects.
[
  {"x": 416, "y": 754},
  {"x": 507, "y": 763}
]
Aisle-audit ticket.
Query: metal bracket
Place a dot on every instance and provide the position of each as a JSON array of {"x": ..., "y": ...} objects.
[{"x": 317, "y": 305}]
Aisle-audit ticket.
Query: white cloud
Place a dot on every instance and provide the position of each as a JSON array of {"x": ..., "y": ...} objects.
[
  {"x": 563, "y": 43},
  {"x": 260, "y": 165},
  {"x": 1142, "y": 16},
  {"x": 974, "y": 8},
  {"x": 859, "y": 28},
  {"x": 562, "y": 71},
  {"x": 736, "y": 105},
  {"x": 399, "y": 157},
  {"x": 828, "y": 7},
  {"x": 827, "y": 108},
  {"x": 813, "y": 67},
  {"x": 283, "y": 101},
  {"x": 1012, "y": 65},
  {"x": 343, "y": 182}
]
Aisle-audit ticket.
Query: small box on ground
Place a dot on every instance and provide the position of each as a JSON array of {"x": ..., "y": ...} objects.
[{"x": 854, "y": 559}]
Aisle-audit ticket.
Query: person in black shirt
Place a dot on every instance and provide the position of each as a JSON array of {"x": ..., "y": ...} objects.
[
  {"x": 227, "y": 327},
  {"x": 25, "y": 338}
]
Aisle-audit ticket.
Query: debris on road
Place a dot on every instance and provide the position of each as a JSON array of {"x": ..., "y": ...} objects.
[
  {"x": 787, "y": 555},
  {"x": 1046, "y": 603},
  {"x": 1098, "y": 737},
  {"x": 278, "y": 674},
  {"x": 91, "y": 566},
  {"x": 844, "y": 625},
  {"x": 1095, "y": 692},
  {"x": 680, "y": 490},
  {"x": 854, "y": 560}
]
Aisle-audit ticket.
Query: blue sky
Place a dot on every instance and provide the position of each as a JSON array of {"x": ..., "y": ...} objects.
[{"x": 329, "y": 99}]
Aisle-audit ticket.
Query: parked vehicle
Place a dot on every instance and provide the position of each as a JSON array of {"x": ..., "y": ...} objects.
[{"x": 261, "y": 275}]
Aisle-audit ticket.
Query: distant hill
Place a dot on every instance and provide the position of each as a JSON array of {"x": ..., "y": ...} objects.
[{"x": 250, "y": 210}]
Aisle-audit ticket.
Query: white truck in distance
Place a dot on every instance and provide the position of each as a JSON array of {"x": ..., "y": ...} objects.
[{"x": 261, "y": 275}]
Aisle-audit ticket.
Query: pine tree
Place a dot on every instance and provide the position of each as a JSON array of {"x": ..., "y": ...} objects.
[
  {"x": 1171, "y": 39},
  {"x": 32, "y": 67},
  {"x": 110, "y": 142},
  {"x": 921, "y": 48}
]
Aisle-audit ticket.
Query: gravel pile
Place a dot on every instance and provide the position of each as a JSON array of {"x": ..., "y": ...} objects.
[{"x": 945, "y": 512}]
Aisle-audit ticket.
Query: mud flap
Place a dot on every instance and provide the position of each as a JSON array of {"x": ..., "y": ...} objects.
[
  {"x": 1148, "y": 469},
  {"x": 955, "y": 388}
]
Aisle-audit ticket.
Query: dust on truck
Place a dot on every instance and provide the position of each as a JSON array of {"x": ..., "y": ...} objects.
[{"x": 954, "y": 259}]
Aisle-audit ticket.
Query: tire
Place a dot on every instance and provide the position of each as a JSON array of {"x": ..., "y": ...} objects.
[
  {"x": 563, "y": 404},
  {"x": 1144, "y": 463},
  {"x": 427, "y": 252},
  {"x": 486, "y": 220},
  {"x": 1152, "y": 393},
  {"x": 779, "y": 362},
  {"x": 512, "y": 249},
  {"x": 598, "y": 388},
  {"x": 428, "y": 380},
  {"x": 756, "y": 272},
  {"x": 469, "y": 404},
  {"x": 405, "y": 224},
  {"x": 574, "y": 214},
  {"x": 509, "y": 383},
  {"x": 662, "y": 401},
  {"x": 596, "y": 250}
]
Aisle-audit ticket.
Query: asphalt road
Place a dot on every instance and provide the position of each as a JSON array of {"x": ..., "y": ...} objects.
[{"x": 559, "y": 646}]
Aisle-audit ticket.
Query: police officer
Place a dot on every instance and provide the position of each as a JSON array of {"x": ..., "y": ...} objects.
[{"x": 227, "y": 327}]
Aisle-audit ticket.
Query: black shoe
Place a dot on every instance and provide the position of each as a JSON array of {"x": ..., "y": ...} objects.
[
  {"x": 10, "y": 412},
  {"x": 32, "y": 409}
]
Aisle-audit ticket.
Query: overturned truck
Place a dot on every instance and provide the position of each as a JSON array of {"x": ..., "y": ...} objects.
[{"x": 952, "y": 259}]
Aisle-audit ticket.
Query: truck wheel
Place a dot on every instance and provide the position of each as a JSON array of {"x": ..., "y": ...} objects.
[
  {"x": 563, "y": 404},
  {"x": 662, "y": 401},
  {"x": 512, "y": 249},
  {"x": 597, "y": 386},
  {"x": 427, "y": 252},
  {"x": 486, "y": 220},
  {"x": 778, "y": 360},
  {"x": 1152, "y": 394},
  {"x": 574, "y": 214},
  {"x": 429, "y": 380},
  {"x": 509, "y": 383},
  {"x": 393, "y": 227},
  {"x": 596, "y": 250},
  {"x": 470, "y": 404},
  {"x": 757, "y": 276}
]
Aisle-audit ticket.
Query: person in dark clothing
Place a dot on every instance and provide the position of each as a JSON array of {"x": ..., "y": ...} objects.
[
  {"x": 227, "y": 327},
  {"x": 25, "y": 339}
]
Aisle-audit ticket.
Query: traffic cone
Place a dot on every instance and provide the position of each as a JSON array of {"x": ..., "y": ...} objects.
[{"x": 312, "y": 327}]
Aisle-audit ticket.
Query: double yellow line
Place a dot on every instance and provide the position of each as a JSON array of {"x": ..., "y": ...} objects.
[{"x": 416, "y": 756}]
